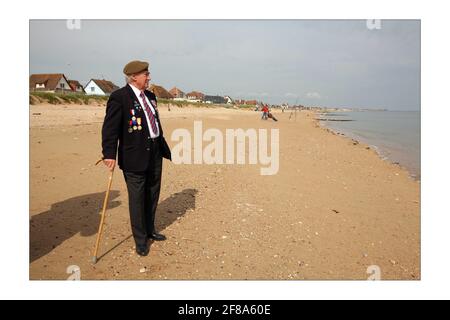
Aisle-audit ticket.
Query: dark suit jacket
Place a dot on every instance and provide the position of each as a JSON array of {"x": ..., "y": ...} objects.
[{"x": 133, "y": 147}]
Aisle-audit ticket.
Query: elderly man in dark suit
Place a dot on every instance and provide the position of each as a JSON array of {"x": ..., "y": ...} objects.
[{"x": 132, "y": 130}]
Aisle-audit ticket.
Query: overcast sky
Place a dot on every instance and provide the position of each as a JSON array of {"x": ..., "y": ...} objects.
[{"x": 339, "y": 63}]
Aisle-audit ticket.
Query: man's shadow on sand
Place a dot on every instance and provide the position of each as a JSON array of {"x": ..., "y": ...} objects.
[{"x": 81, "y": 215}]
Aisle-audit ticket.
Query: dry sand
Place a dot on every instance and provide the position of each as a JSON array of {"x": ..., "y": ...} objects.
[{"x": 334, "y": 208}]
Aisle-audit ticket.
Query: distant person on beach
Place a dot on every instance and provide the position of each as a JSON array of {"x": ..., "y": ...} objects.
[
  {"x": 265, "y": 112},
  {"x": 132, "y": 131}
]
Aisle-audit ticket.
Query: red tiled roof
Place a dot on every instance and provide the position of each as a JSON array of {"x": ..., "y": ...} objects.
[
  {"x": 74, "y": 84},
  {"x": 105, "y": 85},
  {"x": 196, "y": 94},
  {"x": 176, "y": 92},
  {"x": 49, "y": 80},
  {"x": 160, "y": 92}
]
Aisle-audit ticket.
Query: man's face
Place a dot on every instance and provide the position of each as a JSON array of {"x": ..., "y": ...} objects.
[{"x": 142, "y": 79}]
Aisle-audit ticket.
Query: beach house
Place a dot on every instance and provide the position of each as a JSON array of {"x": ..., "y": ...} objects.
[
  {"x": 195, "y": 96},
  {"x": 49, "y": 82},
  {"x": 214, "y": 99},
  {"x": 76, "y": 86},
  {"x": 228, "y": 100},
  {"x": 177, "y": 93},
  {"x": 160, "y": 92},
  {"x": 100, "y": 87}
]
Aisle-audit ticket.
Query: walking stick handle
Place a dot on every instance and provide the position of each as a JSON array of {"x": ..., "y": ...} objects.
[{"x": 99, "y": 160}]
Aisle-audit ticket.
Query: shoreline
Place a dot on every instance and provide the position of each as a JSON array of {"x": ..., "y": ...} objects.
[{"x": 377, "y": 149}]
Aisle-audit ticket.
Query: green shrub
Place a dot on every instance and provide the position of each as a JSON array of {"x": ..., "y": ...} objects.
[
  {"x": 50, "y": 97},
  {"x": 77, "y": 98}
]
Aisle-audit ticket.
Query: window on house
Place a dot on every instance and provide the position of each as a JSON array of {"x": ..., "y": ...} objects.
[
  {"x": 92, "y": 89},
  {"x": 61, "y": 85}
]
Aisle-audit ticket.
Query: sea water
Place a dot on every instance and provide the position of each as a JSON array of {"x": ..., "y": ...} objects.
[{"x": 394, "y": 134}]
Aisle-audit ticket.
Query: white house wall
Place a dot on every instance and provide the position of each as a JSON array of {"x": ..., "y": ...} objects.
[
  {"x": 96, "y": 91},
  {"x": 65, "y": 83}
]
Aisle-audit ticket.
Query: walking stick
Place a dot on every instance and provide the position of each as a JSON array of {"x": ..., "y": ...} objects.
[{"x": 102, "y": 220}]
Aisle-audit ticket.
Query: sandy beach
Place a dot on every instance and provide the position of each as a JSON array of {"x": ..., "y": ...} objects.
[{"x": 333, "y": 209}]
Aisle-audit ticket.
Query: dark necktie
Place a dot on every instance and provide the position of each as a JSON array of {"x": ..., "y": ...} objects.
[{"x": 151, "y": 117}]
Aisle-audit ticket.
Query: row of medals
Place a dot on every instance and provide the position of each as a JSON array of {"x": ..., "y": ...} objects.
[{"x": 135, "y": 123}]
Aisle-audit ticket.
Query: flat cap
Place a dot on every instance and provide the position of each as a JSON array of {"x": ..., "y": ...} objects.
[{"x": 135, "y": 66}]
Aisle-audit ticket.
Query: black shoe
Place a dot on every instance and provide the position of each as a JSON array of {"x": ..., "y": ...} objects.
[
  {"x": 142, "y": 250},
  {"x": 157, "y": 237}
]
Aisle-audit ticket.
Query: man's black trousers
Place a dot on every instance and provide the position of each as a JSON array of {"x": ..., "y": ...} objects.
[{"x": 143, "y": 195}]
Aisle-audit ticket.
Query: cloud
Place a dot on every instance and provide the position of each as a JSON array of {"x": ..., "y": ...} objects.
[
  {"x": 258, "y": 94},
  {"x": 313, "y": 95},
  {"x": 336, "y": 62}
]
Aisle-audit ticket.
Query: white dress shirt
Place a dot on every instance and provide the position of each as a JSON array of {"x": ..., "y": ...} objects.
[{"x": 137, "y": 92}]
